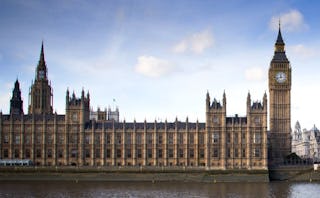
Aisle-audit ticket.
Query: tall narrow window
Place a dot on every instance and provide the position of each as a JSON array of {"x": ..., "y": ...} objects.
[
  {"x": 170, "y": 138},
  {"x": 49, "y": 153},
  {"x": 128, "y": 139},
  {"x": 235, "y": 138},
  {"x": 215, "y": 152},
  {"x": 108, "y": 153},
  {"x": 181, "y": 153},
  {"x": 201, "y": 138},
  {"x": 139, "y": 153},
  {"x": 257, "y": 138},
  {"x": 16, "y": 153},
  {"x": 159, "y": 153},
  {"x": 149, "y": 138},
  {"x": 215, "y": 137},
  {"x": 97, "y": 153},
  {"x": 159, "y": 138},
  {"x": 118, "y": 138},
  {"x": 128, "y": 152},
  {"x": 180, "y": 141},
  {"x": 108, "y": 139},
  {"x": 201, "y": 153},
  {"x": 27, "y": 153},
  {"x": 87, "y": 152},
  {"x": 138, "y": 141},
  {"x": 170, "y": 153},
  {"x": 191, "y": 138},
  {"x": 17, "y": 139},
  {"x": 191, "y": 153},
  {"x": 38, "y": 152},
  {"x": 87, "y": 140},
  {"x": 149, "y": 153},
  {"x": 6, "y": 139},
  {"x": 118, "y": 153}
]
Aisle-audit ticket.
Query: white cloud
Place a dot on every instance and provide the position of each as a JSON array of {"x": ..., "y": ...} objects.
[
  {"x": 302, "y": 51},
  {"x": 152, "y": 67},
  {"x": 255, "y": 74},
  {"x": 290, "y": 21},
  {"x": 195, "y": 43}
]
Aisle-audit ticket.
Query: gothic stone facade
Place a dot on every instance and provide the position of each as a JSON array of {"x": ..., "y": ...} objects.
[
  {"x": 49, "y": 139},
  {"x": 306, "y": 143}
]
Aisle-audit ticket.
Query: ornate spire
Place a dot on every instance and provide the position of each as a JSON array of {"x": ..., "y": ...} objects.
[
  {"x": 279, "y": 52},
  {"x": 279, "y": 39},
  {"x": 279, "y": 45},
  {"x": 41, "y": 72},
  {"x": 16, "y": 103}
]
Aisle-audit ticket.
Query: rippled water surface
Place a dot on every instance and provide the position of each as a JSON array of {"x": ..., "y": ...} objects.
[{"x": 164, "y": 189}]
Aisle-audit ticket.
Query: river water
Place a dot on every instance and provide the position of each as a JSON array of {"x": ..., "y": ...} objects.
[{"x": 162, "y": 189}]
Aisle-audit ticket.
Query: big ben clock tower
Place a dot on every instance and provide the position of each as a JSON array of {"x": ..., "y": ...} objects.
[{"x": 280, "y": 104}]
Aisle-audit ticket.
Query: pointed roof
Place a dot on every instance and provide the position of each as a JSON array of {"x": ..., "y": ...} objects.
[
  {"x": 17, "y": 85},
  {"x": 279, "y": 52},
  {"x": 16, "y": 103},
  {"x": 279, "y": 39},
  {"x": 42, "y": 62}
]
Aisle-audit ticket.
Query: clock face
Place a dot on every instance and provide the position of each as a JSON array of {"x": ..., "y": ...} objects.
[
  {"x": 281, "y": 77},
  {"x": 41, "y": 74}
]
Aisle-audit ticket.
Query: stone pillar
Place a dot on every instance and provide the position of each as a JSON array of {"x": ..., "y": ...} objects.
[
  {"x": 186, "y": 144},
  {"x": 175, "y": 144},
  {"x": 92, "y": 147},
  {"x": 165, "y": 142},
  {"x": 103, "y": 145},
  {"x": 154, "y": 144},
  {"x": 113, "y": 142},
  {"x": 1, "y": 131},
  {"x": 11, "y": 134},
  {"x": 32, "y": 154},
  {"x": 134, "y": 154},
  {"x": 248, "y": 144},
  {"x": 55, "y": 130},
  {"x": 196, "y": 147},
  {"x": 145, "y": 144},
  {"x": 66, "y": 143},
  {"x": 22, "y": 131},
  {"x": 223, "y": 145},
  {"x": 43, "y": 142},
  {"x": 123, "y": 146},
  {"x": 207, "y": 147}
]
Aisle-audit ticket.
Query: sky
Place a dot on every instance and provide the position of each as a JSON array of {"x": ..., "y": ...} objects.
[{"x": 156, "y": 60}]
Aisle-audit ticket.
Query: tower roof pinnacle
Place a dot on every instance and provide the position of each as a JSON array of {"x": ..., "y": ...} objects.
[
  {"x": 41, "y": 71},
  {"x": 279, "y": 38}
]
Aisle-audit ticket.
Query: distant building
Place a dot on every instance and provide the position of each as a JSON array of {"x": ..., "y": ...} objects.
[
  {"x": 306, "y": 143},
  {"x": 105, "y": 115}
]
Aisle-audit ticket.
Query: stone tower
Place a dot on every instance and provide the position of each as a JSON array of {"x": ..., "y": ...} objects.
[
  {"x": 40, "y": 95},
  {"x": 16, "y": 103},
  {"x": 216, "y": 126},
  {"x": 77, "y": 115},
  {"x": 280, "y": 104}
]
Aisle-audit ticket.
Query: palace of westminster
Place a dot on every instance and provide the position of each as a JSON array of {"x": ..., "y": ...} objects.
[{"x": 81, "y": 137}]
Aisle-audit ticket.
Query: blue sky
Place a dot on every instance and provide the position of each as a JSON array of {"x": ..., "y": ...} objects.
[{"x": 158, "y": 59}]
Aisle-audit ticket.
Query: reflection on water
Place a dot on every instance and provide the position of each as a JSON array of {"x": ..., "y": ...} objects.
[{"x": 164, "y": 189}]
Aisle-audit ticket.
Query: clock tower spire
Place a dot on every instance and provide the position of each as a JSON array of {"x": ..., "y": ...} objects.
[
  {"x": 280, "y": 104},
  {"x": 40, "y": 95}
]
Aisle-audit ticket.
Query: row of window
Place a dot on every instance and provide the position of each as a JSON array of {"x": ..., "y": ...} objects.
[
  {"x": 73, "y": 139},
  {"x": 149, "y": 153}
]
